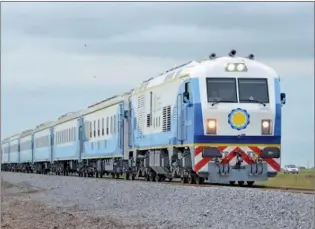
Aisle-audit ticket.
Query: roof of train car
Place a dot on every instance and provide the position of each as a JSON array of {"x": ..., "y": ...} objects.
[
  {"x": 68, "y": 117},
  {"x": 176, "y": 72},
  {"x": 43, "y": 126},
  {"x": 26, "y": 133},
  {"x": 185, "y": 69},
  {"x": 14, "y": 137},
  {"x": 107, "y": 103}
]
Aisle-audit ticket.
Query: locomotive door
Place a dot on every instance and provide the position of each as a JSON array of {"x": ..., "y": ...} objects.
[
  {"x": 52, "y": 146},
  {"x": 80, "y": 138},
  {"x": 121, "y": 131},
  {"x": 180, "y": 117}
]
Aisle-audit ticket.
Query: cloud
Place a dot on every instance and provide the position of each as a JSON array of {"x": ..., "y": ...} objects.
[
  {"x": 35, "y": 65},
  {"x": 281, "y": 30},
  {"x": 45, "y": 60}
]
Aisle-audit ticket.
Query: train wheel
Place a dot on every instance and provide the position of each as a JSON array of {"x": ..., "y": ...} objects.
[
  {"x": 232, "y": 182},
  {"x": 191, "y": 179},
  {"x": 240, "y": 183},
  {"x": 127, "y": 176},
  {"x": 152, "y": 177},
  {"x": 199, "y": 180},
  {"x": 158, "y": 178},
  {"x": 133, "y": 176},
  {"x": 184, "y": 180},
  {"x": 146, "y": 177},
  {"x": 250, "y": 183}
]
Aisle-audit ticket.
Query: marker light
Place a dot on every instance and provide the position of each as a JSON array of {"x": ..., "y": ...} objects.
[
  {"x": 266, "y": 127},
  {"x": 211, "y": 126}
]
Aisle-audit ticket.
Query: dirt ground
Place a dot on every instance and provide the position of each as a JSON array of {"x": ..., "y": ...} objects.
[{"x": 21, "y": 211}]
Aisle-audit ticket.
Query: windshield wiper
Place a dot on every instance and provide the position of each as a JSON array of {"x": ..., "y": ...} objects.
[
  {"x": 253, "y": 100},
  {"x": 222, "y": 101}
]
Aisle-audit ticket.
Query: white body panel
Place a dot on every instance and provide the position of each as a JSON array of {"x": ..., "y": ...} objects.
[
  {"x": 5, "y": 152},
  {"x": 42, "y": 142},
  {"x": 220, "y": 111},
  {"x": 26, "y": 149},
  {"x": 14, "y": 149},
  {"x": 65, "y": 133},
  {"x": 104, "y": 117},
  {"x": 164, "y": 89}
]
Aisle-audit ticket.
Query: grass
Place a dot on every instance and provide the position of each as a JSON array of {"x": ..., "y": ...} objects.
[{"x": 303, "y": 180}]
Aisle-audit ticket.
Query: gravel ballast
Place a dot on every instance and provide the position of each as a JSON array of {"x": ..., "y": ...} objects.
[{"x": 155, "y": 205}]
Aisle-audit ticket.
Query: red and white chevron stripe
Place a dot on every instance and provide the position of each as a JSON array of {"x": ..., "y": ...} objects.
[{"x": 201, "y": 163}]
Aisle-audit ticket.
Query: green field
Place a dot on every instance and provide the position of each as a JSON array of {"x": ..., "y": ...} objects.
[{"x": 303, "y": 180}]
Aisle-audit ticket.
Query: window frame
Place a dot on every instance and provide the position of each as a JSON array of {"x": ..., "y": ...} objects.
[
  {"x": 243, "y": 78},
  {"x": 223, "y": 78}
]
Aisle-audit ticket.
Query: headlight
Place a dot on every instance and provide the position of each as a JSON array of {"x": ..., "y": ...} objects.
[
  {"x": 266, "y": 127},
  {"x": 211, "y": 126},
  {"x": 236, "y": 67},
  {"x": 240, "y": 67},
  {"x": 231, "y": 67}
]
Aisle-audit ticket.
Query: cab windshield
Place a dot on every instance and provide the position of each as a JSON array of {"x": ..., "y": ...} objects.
[
  {"x": 221, "y": 90},
  {"x": 250, "y": 90},
  {"x": 253, "y": 90}
]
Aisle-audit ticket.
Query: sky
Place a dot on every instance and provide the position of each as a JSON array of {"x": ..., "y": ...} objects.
[{"x": 62, "y": 57}]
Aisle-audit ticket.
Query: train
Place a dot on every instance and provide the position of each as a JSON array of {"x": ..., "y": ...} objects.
[{"x": 215, "y": 120}]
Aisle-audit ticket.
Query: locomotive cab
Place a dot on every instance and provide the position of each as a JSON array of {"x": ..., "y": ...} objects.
[{"x": 240, "y": 136}]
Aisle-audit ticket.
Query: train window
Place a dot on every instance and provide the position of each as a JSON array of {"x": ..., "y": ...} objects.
[
  {"x": 91, "y": 129},
  {"x": 115, "y": 125},
  {"x": 107, "y": 126},
  {"x": 94, "y": 130},
  {"x": 99, "y": 127},
  {"x": 103, "y": 132},
  {"x": 253, "y": 90},
  {"x": 221, "y": 90},
  {"x": 111, "y": 125}
]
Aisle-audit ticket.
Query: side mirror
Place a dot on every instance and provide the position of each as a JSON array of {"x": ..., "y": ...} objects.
[{"x": 283, "y": 98}]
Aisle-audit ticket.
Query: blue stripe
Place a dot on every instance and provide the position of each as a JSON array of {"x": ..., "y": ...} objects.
[
  {"x": 277, "y": 131},
  {"x": 202, "y": 139}
]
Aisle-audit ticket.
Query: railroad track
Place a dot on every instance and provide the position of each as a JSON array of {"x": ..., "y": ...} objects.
[{"x": 178, "y": 182}]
